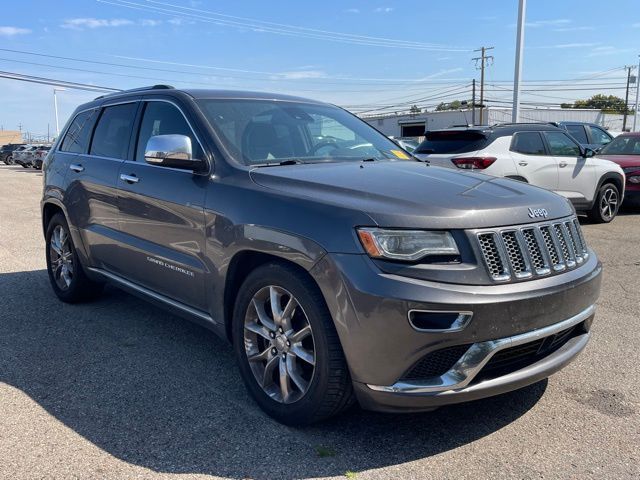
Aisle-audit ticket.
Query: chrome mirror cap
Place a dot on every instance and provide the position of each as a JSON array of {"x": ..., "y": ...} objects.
[{"x": 170, "y": 151}]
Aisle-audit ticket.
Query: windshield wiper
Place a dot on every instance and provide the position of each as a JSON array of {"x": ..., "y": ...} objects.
[{"x": 291, "y": 161}]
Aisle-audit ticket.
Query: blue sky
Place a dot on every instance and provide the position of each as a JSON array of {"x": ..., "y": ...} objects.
[{"x": 364, "y": 54}]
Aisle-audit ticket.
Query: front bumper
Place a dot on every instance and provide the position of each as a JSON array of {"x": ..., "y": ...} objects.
[{"x": 370, "y": 310}]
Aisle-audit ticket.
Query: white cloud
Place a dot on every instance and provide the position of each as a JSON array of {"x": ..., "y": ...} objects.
[
  {"x": 548, "y": 23},
  {"x": 150, "y": 23},
  {"x": 352, "y": 10},
  {"x": 301, "y": 75},
  {"x": 11, "y": 31},
  {"x": 608, "y": 50},
  {"x": 82, "y": 23},
  {"x": 383, "y": 10},
  {"x": 571, "y": 45},
  {"x": 574, "y": 29}
]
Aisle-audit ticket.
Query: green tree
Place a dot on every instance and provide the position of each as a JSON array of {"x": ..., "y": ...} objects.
[
  {"x": 455, "y": 105},
  {"x": 605, "y": 103},
  {"x": 414, "y": 109}
]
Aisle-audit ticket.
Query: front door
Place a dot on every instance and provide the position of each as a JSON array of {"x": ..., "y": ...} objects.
[
  {"x": 576, "y": 174},
  {"x": 161, "y": 214},
  {"x": 532, "y": 160}
]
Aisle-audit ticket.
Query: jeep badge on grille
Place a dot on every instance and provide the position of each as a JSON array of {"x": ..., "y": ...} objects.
[{"x": 538, "y": 213}]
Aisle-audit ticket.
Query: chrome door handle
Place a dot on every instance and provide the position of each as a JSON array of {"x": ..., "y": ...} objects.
[
  {"x": 523, "y": 164},
  {"x": 129, "y": 178},
  {"x": 76, "y": 167}
]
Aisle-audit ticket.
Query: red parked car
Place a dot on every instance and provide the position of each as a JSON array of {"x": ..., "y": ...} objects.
[{"x": 625, "y": 151}]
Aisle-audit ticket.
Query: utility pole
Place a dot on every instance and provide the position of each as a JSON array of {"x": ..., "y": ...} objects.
[
  {"x": 635, "y": 112},
  {"x": 626, "y": 99},
  {"x": 515, "y": 113},
  {"x": 482, "y": 60},
  {"x": 473, "y": 101}
]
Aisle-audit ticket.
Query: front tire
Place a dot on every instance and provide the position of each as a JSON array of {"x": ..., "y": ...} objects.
[
  {"x": 606, "y": 205},
  {"x": 66, "y": 274},
  {"x": 287, "y": 348}
]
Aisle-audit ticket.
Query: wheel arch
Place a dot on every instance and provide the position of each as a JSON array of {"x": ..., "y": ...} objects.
[{"x": 240, "y": 266}]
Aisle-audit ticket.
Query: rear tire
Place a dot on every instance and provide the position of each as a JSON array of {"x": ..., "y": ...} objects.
[
  {"x": 66, "y": 274},
  {"x": 301, "y": 347},
  {"x": 606, "y": 205}
]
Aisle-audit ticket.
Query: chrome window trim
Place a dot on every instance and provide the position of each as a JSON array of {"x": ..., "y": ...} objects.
[
  {"x": 460, "y": 323},
  {"x": 136, "y": 100},
  {"x": 478, "y": 355}
]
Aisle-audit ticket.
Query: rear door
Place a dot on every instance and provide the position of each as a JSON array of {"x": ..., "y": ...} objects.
[
  {"x": 161, "y": 212},
  {"x": 576, "y": 174},
  {"x": 532, "y": 160},
  {"x": 91, "y": 196}
]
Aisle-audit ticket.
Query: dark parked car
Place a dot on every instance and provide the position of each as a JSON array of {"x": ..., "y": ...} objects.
[
  {"x": 339, "y": 270},
  {"x": 39, "y": 155},
  {"x": 6, "y": 152},
  {"x": 625, "y": 151},
  {"x": 588, "y": 135}
]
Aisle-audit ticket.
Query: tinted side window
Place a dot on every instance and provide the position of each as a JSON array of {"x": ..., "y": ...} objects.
[
  {"x": 599, "y": 136},
  {"x": 577, "y": 132},
  {"x": 528, "y": 143},
  {"x": 161, "y": 118},
  {"x": 76, "y": 139},
  {"x": 111, "y": 138},
  {"x": 562, "y": 145}
]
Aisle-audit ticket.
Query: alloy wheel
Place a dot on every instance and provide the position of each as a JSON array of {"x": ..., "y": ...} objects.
[
  {"x": 61, "y": 257},
  {"x": 279, "y": 344},
  {"x": 609, "y": 203}
]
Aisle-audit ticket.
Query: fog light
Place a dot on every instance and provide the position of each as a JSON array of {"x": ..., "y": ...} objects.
[{"x": 439, "y": 321}]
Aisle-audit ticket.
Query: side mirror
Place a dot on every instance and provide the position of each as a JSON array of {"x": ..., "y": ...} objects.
[
  {"x": 173, "y": 151},
  {"x": 588, "y": 152}
]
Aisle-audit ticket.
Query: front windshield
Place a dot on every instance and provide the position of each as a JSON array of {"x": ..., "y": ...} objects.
[
  {"x": 259, "y": 132},
  {"x": 623, "y": 146}
]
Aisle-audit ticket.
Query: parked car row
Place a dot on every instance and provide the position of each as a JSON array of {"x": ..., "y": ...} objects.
[
  {"x": 24, "y": 154},
  {"x": 545, "y": 155}
]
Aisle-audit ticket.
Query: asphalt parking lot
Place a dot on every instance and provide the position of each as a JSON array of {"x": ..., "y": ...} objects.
[{"x": 121, "y": 389}]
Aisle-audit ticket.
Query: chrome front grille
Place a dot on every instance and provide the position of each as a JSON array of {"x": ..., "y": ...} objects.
[{"x": 530, "y": 251}]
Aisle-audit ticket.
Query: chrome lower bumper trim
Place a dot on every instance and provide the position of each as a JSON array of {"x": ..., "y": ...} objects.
[{"x": 470, "y": 364}]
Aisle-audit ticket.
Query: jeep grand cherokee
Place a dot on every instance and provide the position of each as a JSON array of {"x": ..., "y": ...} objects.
[{"x": 339, "y": 267}]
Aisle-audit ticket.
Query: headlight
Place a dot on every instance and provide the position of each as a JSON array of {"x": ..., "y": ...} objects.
[
  {"x": 408, "y": 245},
  {"x": 631, "y": 169},
  {"x": 635, "y": 179}
]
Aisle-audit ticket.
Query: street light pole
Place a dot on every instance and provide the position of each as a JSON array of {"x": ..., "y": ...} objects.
[
  {"x": 515, "y": 113},
  {"x": 55, "y": 108},
  {"x": 635, "y": 113}
]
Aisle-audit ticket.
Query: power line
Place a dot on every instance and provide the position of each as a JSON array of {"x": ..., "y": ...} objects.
[
  {"x": 56, "y": 83},
  {"x": 206, "y": 16}
]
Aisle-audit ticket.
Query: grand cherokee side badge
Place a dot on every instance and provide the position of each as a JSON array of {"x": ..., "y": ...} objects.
[{"x": 538, "y": 213}]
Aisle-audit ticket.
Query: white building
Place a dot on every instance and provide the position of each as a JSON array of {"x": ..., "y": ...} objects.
[{"x": 407, "y": 125}]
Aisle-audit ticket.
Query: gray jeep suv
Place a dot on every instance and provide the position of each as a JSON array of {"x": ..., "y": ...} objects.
[{"x": 339, "y": 267}]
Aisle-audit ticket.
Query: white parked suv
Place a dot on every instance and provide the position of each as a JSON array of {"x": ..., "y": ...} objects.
[{"x": 539, "y": 154}]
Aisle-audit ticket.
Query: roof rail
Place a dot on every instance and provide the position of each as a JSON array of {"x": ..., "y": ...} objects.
[{"x": 139, "y": 89}]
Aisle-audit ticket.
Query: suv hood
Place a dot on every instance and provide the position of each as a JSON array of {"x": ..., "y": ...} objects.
[
  {"x": 413, "y": 194},
  {"x": 622, "y": 160}
]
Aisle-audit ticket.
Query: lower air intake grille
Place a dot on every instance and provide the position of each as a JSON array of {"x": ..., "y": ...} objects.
[
  {"x": 436, "y": 363},
  {"x": 511, "y": 359}
]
